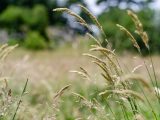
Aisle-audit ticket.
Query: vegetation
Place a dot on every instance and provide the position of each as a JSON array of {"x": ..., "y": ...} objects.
[
  {"x": 142, "y": 3},
  {"x": 18, "y": 17},
  {"x": 35, "y": 41},
  {"x": 21, "y": 17},
  {"x": 119, "y": 91},
  {"x": 111, "y": 17},
  {"x": 124, "y": 95}
]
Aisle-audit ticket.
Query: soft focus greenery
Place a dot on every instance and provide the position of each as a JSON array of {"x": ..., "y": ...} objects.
[
  {"x": 119, "y": 40},
  {"x": 35, "y": 41},
  {"x": 21, "y": 16},
  {"x": 16, "y": 18},
  {"x": 13, "y": 42}
]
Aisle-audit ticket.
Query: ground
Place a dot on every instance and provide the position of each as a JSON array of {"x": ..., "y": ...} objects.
[{"x": 48, "y": 71}]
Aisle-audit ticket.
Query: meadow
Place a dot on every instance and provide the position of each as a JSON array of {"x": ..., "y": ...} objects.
[
  {"x": 48, "y": 72},
  {"x": 72, "y": 83}
]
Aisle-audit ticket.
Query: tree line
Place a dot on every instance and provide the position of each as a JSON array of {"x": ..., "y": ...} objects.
[{"x": 32, "y": 17}]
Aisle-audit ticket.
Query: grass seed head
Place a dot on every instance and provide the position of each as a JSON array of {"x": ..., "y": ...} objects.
[
  {"x": 139, "y": 28},
  {"x": 68, "y": 11},
  {"x": 95, "y": 39},
  {"x": 95, "y": 58},
  {"x": 124, "y": 93},
  {"x": 93, "y": 18},
  {"x": 135, "y": 44},
  {"x": 61, "y": 91},
  {"x": 101, "y": 49}
]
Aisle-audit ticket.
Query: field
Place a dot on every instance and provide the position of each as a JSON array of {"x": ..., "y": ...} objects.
[
  {"x": 78, "y": 63},
  {"x": 48, "y": 72}
]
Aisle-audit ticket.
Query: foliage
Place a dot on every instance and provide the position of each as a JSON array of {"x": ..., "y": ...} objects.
[
  {"x": 22, "y": 20},
  {"x": 33, "y": 19},
  {"x": 11, "y": 15},
  {"x": 22, "y": 16},
  {"x": 13, "y": 42},
  {"x": 39, "y": 13},
  {"x": 140, "y": 3},
  {"x": 25, "y": 16},
  {"x": 48, "y": 4},
  {"x": 112, "y": 16},
  {"x": 35, "y": 41}
]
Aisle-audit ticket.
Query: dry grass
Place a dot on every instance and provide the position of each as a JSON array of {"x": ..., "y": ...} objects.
[{"x": 24, "y": 64}]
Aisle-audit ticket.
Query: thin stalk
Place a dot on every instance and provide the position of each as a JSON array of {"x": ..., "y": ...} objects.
[
  {"x": 111, "y": 110},
  {"x": 19, "y": 102},
  {"x": 150, "y": 75},
  {"x": 122, "y": 108},
  {"x": 132, "y": 106},
  {"x": 124, "y": 112},
  {"x": 154, "y": 114},
  {"x": 155, "y": 77},
  {"x": 135, "y": 105}
]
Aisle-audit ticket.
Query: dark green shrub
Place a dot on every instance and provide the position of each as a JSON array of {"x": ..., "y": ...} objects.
[
  {"x": 11, "y": 17},
  {"x": 33, "y": 17},
  {"x": 27, "y": 17},
  {"x": 11, "y": 14},
  {"x": 35, "y": 41},
  {"x": 39, "y": 13},
  {"x": 15, "y": 17}
]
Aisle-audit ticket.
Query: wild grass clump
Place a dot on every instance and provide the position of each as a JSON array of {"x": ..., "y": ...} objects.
[
  {"x": 125, "y": 94},
  {"x": 7, "y": 101}
]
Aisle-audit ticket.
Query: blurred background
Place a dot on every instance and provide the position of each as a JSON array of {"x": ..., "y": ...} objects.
[{"x": 33, "y": 25}]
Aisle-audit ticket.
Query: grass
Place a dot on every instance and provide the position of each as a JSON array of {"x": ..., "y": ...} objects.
[
  {"x": 114, "y": 87},
  {"x": 37, "y": 103},
  {"x": 118, "y": 86}
]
